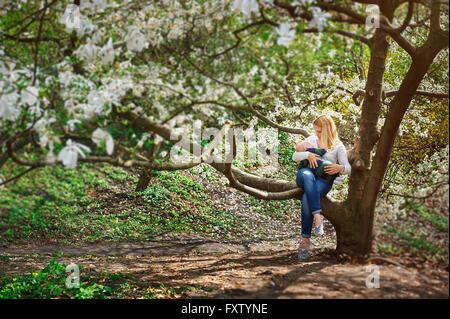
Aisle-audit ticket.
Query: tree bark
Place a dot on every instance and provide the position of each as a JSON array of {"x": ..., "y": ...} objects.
[
  {"x": 355, "y": 229},
  {"x": 397, "y": 109},
  {"x": 146, "y": 174}
]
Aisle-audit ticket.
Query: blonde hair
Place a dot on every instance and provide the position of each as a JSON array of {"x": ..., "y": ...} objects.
[{"x": 328, "y": 137}]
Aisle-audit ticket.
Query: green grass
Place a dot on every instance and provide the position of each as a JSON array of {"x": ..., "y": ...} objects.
[
  {"x": 275, "y": 209},
  {"x": 89, "y": 204},
  {"x": 387, "y": 247},
  {"x": 423, "y": 231},
  {"x": 44, "y": 201},
  {"x": 67, "y": 205},
  {"x": 51, "y": 282},
  {"x": 430, "y": 215},
  {"x": 116, "y": 173},
  {"x": 416, "y": 242}
]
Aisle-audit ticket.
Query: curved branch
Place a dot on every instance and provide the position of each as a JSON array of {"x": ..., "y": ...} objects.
[
  {"x": 422, "y": 93},
  {"x": 253, "y": 191},
  {"x": 14, "y": 157},
  {"x": 357, "y": 95},
  {"x": 407, "y": 20},
  {"x": 343, "y": 33},
  {"x": 291, "y": 194},
  {"x": 136, "y": 163},
  {"x": 278, "y": 126},
  {"x": 17, "y": 176},
  {"x": 238, "y": 38},
  {"x": 437, "y": 95}
]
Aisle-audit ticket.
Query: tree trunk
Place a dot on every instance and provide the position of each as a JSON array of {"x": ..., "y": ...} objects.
[
  {"x": 354, "y": 234},
  {"x": 354, "y": 227},
  {"x": 354, "y": 230},
  {"x": 146, "y": 174},
  {"x": 144, "y": 179}
]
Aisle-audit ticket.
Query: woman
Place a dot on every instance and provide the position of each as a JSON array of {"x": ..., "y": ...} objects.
[{"x": 316, "y": 187}]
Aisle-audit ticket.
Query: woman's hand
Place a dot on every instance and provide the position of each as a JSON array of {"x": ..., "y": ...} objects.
[
  {"x": 312, "y": 159},
  {"x": 333, "y": 168}
]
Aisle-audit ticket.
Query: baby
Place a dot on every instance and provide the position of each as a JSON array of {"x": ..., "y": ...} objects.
[{"x": 321, "y": 163}]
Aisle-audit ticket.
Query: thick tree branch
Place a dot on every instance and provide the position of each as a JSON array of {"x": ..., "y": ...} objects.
[
  {"x": 250, "y": 190},
  {"x": 136, "y": 163}
]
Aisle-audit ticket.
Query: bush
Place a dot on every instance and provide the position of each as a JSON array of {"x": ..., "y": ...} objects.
[{"x": 50, "y": 282}]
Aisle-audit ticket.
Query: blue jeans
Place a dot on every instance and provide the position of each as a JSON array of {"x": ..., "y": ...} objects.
[{"x": 314, "y": 188}]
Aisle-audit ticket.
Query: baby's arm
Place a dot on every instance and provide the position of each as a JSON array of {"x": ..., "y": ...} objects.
[{"x": 318, "y": 151}]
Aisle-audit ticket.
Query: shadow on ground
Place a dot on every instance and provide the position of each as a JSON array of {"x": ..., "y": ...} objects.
[{"x": 233, "y": 270}]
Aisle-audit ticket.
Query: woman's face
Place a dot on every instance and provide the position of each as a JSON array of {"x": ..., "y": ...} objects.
[{"x": 318, "y": 131}]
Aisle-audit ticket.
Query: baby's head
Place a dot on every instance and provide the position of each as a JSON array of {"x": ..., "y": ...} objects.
[{"x": 304, "y": 145}]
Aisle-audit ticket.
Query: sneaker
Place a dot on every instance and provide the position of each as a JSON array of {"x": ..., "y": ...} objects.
[
  {"x": 318, "y": 230},
  {"x": 303, "y": 253}
]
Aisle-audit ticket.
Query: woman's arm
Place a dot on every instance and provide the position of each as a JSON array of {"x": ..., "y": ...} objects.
[
  {"x": 343, "y": 160},
  {"x": 299, "y": 156},
  {"x": 300, "y": 153}
]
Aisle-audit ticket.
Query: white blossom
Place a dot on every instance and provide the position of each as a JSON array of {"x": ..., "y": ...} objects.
[
  {"x": 245, "y": 6},
  {"x": 107, "y": 52},
  {"x": 319, "y": 19},
  {"x": 35, "y": 109},
  {"x": 29, "y": 95},
  {"x": 69, "y": 154},
  {"x": 285, "y": 34},
  {"x": 71, "y": 124},
  {"x": 135, "y": 40},
  {"x": 87, "y": 52},
  {"x": 71, "y": 18},
  {"x": 332, "y": 53},
  {"x": 7, "y": 69},
  {"x": 100, "y": 135},
  {"x": 96, "y": 102},
  {"x": 8, "y": 106}
]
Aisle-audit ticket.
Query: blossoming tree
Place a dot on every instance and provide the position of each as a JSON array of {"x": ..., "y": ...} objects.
[{"x": 126, "y": 77}]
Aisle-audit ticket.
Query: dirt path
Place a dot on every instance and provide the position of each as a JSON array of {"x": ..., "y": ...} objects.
[{"x": 233, "y": 270}]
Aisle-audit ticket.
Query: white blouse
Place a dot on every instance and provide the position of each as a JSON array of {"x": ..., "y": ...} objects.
[{"x": 338, "y": 154}]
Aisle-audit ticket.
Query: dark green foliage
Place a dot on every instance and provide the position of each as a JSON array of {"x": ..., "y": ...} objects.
[{"x": 50, "y": 282}]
